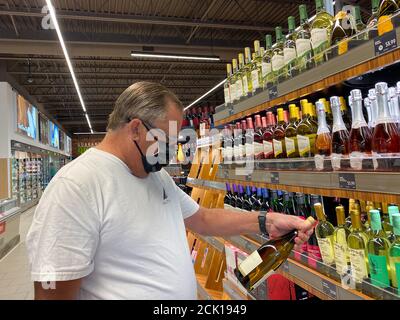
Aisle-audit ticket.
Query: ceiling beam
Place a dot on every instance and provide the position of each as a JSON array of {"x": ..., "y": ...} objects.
[{"x": 130, "y": 19}]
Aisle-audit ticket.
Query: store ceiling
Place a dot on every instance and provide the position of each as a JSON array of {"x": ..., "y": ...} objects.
[{"x": 100, "y": 35}]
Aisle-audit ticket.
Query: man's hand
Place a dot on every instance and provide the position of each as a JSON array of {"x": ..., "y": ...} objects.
[{"x": 280, "y": 224}]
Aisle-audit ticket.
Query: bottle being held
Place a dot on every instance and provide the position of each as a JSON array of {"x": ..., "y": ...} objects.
[
  {"x": 324, "y": 232},
  {"x": 340, "y": 136},
  {"x": 360, "y": 134},
  {"x": 265, "y": 260},
  {"x": 323, "y": 141}
]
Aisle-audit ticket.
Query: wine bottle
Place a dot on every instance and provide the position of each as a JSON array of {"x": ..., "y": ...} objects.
[
  {"x": 378, "y": 253},
  {"x": 394, "y": 105},
  {"x": 360, "y": 26},
  {"x": 386, "y": 9},
  {"x": 276, "y": 204},
  {"x": 279, "y": 136},
  {"x": 303, "y": 213},
  {"x": 306, "y": 133},
  {"x": 237, "y": 142},
  {"x": 323, "y": 141},
  {"x": 256, "y": 199},
  {"x": 265, "y": 205},
  {"x": 235, "y": 196},
  {"x": 256, "y": 71},
  {"x": 340, "y": 136},
  {"x": 321, "y": 33},
  {"x": 386, "y": 222},
  {"x": 292, "y": 150},
  {"x": 240, "y": 198},
  {"x": 242, "y": 147},
  {"x": 367, "y": 225},
  {"x": 243, "y": 76},
  {"x": 373, "y": 20},
  {"x": 235, "y": 82},
  {"x": 386, "y": 136},
  {"x": 313, "y": 252},
  {"x": 229, "y": 143},
  {"x": 357, "y": 243},
  {"x": 247, "y": 203},
  {"x": 278, "y": 61},
  {"x": 346, "y": 115},
  {"x": 288, "y": 204},
  {"x": 268, "y": 136},
  {"x": 289, "y": 51},
  {"x": 267, "y": 74},
  {"x": 249, "y": 144},
  {"x": 228, "y": 196},
  {"x": 374, "y": 106},
  {"x": 227, "y": 87},
  {"x": 248, "y": 67},
  {"x": 360, "y": 134},
  {"x": 258, "y": 147},
  {"x": 303, "y": 41},
  {"x": 266, "y": 259},
  {"x": 324, "y": 232},
  {"x": 340, "y": 235},
  {"x": 342, "y": 29},
  {"x": 394, "y": 253}
]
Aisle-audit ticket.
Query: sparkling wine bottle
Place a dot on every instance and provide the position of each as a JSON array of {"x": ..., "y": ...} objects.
[
  {"x": 268, "y": 136},
  {"x": 323, "y": 141}
]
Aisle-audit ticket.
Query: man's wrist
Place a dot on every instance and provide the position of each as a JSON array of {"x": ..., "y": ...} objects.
[{"x": 262, "y": 222}]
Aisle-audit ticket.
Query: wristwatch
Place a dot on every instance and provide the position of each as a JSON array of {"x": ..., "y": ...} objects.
[{"x": 262, "y": 219}]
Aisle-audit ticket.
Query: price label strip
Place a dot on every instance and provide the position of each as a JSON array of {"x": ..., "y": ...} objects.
[
  {"x": 329, "y": 289},
  {"x": 385, "y": 43},
  {"x": 275, "y": 177},
  {"x": 347, "y": 181},
  {"x": 273, "y": 92}
]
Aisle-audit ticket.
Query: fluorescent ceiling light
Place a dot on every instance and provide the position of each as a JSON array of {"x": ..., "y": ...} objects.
[
  {"x": 173, "y": 56},
  {"x": 206, "y": 94},
  {"x": 66, "y": 55}
]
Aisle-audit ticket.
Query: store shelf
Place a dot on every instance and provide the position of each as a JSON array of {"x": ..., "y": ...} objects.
[
  {"x": 206, "y": 294},
  {"x": 10, "y": 214},
  {"x": 216, "y": 243},
  {"x": 233, "y": 291},
  {"x": 206, "y": 184},
  {"x": 358, "y": 61}
]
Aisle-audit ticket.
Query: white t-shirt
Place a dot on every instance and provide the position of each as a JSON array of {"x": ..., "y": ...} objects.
[{"x": 99, "y": 222}]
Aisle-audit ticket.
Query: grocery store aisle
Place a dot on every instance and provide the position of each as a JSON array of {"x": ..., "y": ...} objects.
[{"x": 15, "y": 283}]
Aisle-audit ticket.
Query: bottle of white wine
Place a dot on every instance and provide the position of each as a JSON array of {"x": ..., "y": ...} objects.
[
  {"x": 324, "y": 232},
  {"x": 266, "y": 259},
  {"x": 378, "y": 253},
  {"x": 340, "y": 236}
]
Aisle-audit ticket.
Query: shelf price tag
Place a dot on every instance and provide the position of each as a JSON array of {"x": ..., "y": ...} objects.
[
  {"x": 226, "y": 174},
  {"x": 347, "y": 181},
  {"x": 249, "y": 177},
  {"x": 275, "y": 177},
  {"x": 329, "y": 289},
  {"x": 385, "y": 43},
  {"x": 273, "y": 92}
]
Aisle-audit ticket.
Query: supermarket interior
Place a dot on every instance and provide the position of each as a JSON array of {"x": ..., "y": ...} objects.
[{"x": 281, "y": 180}]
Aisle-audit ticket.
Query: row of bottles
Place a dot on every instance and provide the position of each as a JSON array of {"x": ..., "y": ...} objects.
[
  {"x": 338, "y": 131},
  {"x": 199, "y": 118},
  {"x": 303, "y": 47},
  {"x": 367, "y": 250}
]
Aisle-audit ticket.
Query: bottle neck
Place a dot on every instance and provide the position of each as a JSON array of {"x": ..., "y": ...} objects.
[
  {"x": 322, "y": 125},
  {"x": 383, "y": 108},
  {"x": 338, "y": 123},
  {"x": 395, "y": 107},
  {"x": 358, "y": 116}
]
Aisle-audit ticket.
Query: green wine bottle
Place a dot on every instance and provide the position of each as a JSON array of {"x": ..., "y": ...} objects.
[
  {"x": 378, "y": 253},
  {"x": 357, "y": 243},
  {"x": 324, "y": 232},
  {"x": 394, "y": 253},
  {"x": 340, "y": 236},
  {"x": 392, "y": 209}
]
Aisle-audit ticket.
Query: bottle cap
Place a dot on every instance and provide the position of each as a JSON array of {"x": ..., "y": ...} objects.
[
  {"x": 396, "y": 224},
  {"x": 319, "y": 211},
  {"x": 376, "y": 224},
  {"x": 259, "y": 192},
  {"x": 268, "y": 41},
  {"x": 355, "y": 219},
  {"x": 228, "y": 187},
  {"x": 248, "y": 190},
  {"x": 234, "y": 188},
  {"x": 335, "y": 102},
  {"x": 381, "y": 88},
  {"x": 392, "y": 210},
  {"x": 398, "y": 87},
  {"x": 320, "y": 105},
  {"x": 392, "y": 92},
  {"x": 372, "y": 94},
  {"x": 340, "y": 215},
  {"x": 356, "y": 94}
]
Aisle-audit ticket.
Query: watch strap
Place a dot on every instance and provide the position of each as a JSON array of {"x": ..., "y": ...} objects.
[{"x": 262, "y": 220}]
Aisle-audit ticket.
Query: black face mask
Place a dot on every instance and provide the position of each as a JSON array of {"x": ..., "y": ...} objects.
[{"x": 163, "y": 156}]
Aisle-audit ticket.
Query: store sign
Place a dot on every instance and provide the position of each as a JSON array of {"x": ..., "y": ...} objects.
[{"x": 385, "y": 43}]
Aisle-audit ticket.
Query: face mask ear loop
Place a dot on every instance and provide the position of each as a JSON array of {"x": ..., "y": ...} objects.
[{"x": 140, "y": 150}]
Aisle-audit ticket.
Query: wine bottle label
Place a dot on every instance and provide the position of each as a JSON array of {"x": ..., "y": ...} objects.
[
  {"x": 358, "y": 264},
  {"x": 278, "y": 149},
  {"x": 245, "y": 85},
  {"x": 343, "y": 47},
  {"x": 341, "y": 258},
  {"x": 254, "y": 79},
  {"x": 249, "y": 150},
  {"x": 379, "y": 270},
  {"x": 227, "y": 95},
  {"x": 306, "y": 144},
  {"x": 303, "y": 47},
  {"x": 242, "y": 151},
  {"x": 229, "y": 153},
  {"x": 319, "y": 162},
  {"x": 289, "y": 55},
  {"x": 258, "y": 149},
  {"x": 396, "y": 275},
  {"x": 251, "y": 262},
  {"x": 239, "y": 88},
  {"x": 266, "y": 68},
  {"x": 234, "y": 92},
  {"x": 236, "y": 152},
  {"x": 278, "y": 62},
  {"x": 319, "y": 39},
  {"x": 290, "y": 144},
  {"x": 336, "y": 161},
  {"x": 356, "y": 160},
  {"x": 268, "y": 149},
  {"x": 326, "y": 248}
]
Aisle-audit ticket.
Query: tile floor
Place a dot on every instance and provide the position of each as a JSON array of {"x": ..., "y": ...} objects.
[{"x": 15, "y": 283}]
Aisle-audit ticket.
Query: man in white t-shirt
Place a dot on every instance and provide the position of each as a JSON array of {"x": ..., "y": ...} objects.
[{"x": 111, "y": 224}]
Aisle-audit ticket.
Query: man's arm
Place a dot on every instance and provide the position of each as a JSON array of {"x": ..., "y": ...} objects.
[
  {"x": 64, "y": 290},
  {"x": 221, "y": 222}
]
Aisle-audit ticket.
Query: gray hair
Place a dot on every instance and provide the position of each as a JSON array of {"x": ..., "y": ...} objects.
[{"x": 146, "y": 101}]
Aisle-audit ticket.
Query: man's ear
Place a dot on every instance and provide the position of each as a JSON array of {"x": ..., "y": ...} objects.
[{"x": 134, "y": 129}]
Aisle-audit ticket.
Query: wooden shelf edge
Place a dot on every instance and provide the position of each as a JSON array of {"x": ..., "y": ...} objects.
[{"x": 210, "y": 294}]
